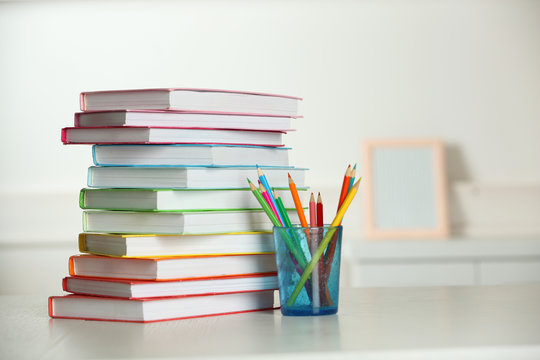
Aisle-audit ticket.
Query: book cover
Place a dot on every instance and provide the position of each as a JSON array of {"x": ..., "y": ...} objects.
[
  {"x": 181, "y": 177},
  {"x": 189, "y": 155},
  {"x": 131, "y": 289},
  {"x": 151, "y": 245},
  {"x": 183, "y": 200},
  {"x": 181, "y": 223},
  {"x": 170, "y": 268},
  {"x": 163, "y": 135},
  {"x": 158, "y": 309},
  {"x": 190, "y": 99},
  {"x": 196, "y": 119}
]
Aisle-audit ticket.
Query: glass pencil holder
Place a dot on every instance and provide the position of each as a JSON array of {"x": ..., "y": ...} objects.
[{"x": 308, "y": 264}]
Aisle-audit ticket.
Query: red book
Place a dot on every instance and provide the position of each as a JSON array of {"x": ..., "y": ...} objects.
[
  {"x": 158, "y": 309},
  {"x": 137, "y": 289},
  {"x": 169, "y": 135}
]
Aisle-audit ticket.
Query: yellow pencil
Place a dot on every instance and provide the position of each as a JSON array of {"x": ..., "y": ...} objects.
[{"x": 324, "y": 243}]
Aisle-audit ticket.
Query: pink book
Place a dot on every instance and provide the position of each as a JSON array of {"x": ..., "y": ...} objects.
[
  {"x": 164, "y": 135},
  {"x": 190, "y": 99},
  {"x": 173, "y": 118}
]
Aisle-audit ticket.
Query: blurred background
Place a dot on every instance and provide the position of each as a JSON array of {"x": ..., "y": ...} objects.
[{"x": 466, "y": 72}]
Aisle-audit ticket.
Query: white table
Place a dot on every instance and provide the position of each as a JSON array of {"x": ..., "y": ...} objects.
[{"x": 490, "y": 322}]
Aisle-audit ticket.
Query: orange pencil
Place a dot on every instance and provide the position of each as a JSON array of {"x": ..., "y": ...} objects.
[
  {"x": 345, "y": 186},
  {"x": 297, "y": 202},
  {"x": 312, "y": 211}
]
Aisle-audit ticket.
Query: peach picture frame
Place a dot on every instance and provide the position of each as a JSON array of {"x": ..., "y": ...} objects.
[{"x": 434, "y": 173}]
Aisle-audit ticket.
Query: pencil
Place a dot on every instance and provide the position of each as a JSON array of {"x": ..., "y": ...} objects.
[
  {"x": 345, "y": 186},
  {"x": 266, "y": 197},
  {"x": 312, "y": 211},
  {"x": 264, "y": 204},
  {"x": 353, "y": 175},
  {"x": 324, "y": 243},
  {"x": 265, "y": 183},
  {"x": 297, "y": 202},
  {"x": 282, "y": 210},
  {"x": 320, "y": 217}
]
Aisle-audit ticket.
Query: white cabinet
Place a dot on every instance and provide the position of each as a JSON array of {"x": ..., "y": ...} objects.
[{"x": 455, "y": 261}]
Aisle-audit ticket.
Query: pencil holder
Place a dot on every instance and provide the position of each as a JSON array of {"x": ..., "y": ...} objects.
[{"x": 308, "y": 263}]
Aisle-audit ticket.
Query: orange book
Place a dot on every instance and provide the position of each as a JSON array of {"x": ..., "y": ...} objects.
[{"x": 170, "y": 268}]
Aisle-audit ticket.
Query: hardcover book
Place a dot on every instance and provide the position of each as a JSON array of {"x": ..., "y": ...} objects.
[
  {"x": 184, "y": 200},
  {"x": 189, "y": 177},
  {"x": 158, "y": 118},
  {"x": 191, "y": 99},
  {"x": 170, "y": 268},
  {"x": 131, "y": 245},
  {"x": 155, "y": 135},
  {"x": 189, "y": 155},
  {"x": 158, "y": 309},
  {"x": 131, "y": 289},
  {"x": 180, "y": 223}
]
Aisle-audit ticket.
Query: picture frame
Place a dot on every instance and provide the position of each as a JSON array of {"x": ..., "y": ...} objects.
[{"x": 405, "y": 189}]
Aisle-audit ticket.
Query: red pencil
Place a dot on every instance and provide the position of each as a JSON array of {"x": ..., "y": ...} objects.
[{"x": 320, "y": 217}]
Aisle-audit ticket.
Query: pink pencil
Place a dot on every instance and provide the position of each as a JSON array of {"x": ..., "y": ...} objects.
[
  {"x": 266, "y": 197},
  {"x": 312, "y": 211}
]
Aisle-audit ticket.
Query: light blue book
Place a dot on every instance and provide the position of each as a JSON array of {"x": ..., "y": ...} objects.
[{"x": 189, "y": 155}]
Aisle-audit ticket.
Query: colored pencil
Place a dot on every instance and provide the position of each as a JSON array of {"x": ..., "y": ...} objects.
[
  {"x": 264, "y": 204},
  {"x": 320, "y": 217},
  {"x": 265, "y": 183},
  {"x": 282, "y": 210},
  {"x": 345, "y": 186},
  {"x": 266, "y": 197},
  {"x": 324, "y": 243},
  {"x": 353, "y": 175},
  {"x": 297, "y": 202},
  {"x": 312, "y": 211}
]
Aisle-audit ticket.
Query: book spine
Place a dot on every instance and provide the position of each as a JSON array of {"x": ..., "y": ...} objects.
[
  {"x": 90, "y": 177},
  {"x": 94, "y": 155},
  {"x": 71, "y": 266},
  {"x": 81, "y": 101},
  {"x": 63, "y": 136},
  {"x": 64, "y": 284},
  {"x": 82, "y": 242},
  {"x": 82, "y": 199},
  {"x": 51, "y": 306},
  {"x": 76, "y": 120}
]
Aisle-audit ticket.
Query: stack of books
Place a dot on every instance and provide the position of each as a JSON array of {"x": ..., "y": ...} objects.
[{"x": 171, "y": 229}]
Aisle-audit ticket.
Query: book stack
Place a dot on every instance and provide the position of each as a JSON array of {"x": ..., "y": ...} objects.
[{"x": 170, "y": 227}]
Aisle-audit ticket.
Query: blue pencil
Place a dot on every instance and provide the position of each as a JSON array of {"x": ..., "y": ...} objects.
[{"x": 265, "y": 183}]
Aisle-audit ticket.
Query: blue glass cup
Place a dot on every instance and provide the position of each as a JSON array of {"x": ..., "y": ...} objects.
[{"x": 308, "y": 264}]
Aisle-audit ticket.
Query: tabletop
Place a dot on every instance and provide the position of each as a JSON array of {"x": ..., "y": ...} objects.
[{"x": 487, "y": 322}]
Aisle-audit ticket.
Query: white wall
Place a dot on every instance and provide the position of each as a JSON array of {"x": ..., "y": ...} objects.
[{"x": 466, "y": 71}]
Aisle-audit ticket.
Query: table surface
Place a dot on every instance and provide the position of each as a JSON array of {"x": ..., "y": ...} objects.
[{"x": 490, "y": 322}]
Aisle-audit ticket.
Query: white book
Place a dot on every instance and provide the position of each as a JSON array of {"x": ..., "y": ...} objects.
[
  {"x": 158, "y": 118},
  {"x": 178, "y": 199},
  {"x": 155, "y": 135},
  {"x": 158, "y": 309},
  {"x": 206, "y": 222},
  {"x": 189, "y": 155},
  {"x": 131, "y": 245},
  {"x": 191, "y": 99},
  {"x": 190, "y": 177},
  {"x": 137, "y": 289}
]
